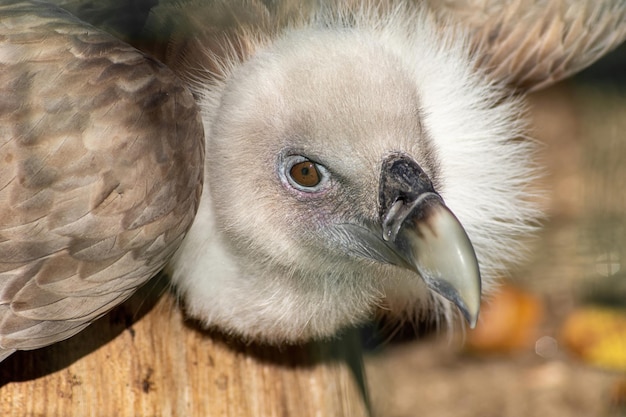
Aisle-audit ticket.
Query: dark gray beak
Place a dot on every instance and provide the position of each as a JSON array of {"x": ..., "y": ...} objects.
[{"x": 426, "y": 236}]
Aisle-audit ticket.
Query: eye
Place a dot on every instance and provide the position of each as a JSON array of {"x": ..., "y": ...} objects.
[{"x": 303, "y": 174}]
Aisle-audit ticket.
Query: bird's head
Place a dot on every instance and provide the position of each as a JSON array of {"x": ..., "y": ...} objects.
[{"x": 334, "y": 166}]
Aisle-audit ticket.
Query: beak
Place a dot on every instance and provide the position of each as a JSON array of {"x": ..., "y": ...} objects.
[
  {"x": 433, "y": 243},
  {"x": 426, "y": 236}
]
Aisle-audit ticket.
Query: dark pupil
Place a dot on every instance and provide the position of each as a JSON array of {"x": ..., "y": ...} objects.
[{"x": 305, "y": 171}]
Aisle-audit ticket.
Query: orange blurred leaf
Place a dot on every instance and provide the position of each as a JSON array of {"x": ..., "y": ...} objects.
[
  {"x": 597, "y": 335},
  {"x": 508, "y": 322}
]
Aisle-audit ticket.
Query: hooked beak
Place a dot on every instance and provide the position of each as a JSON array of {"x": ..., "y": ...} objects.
[
  {"x": 426, "y": 236},
  {"x": 432, "y": 242}
]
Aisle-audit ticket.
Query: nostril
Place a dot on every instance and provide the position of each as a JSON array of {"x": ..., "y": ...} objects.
[{"x": 391, "y": 225}]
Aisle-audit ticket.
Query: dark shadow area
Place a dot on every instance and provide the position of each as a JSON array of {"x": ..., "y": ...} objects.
[
  {"x": 124, "y": 19},
  {"x": 608, "y": 71}
]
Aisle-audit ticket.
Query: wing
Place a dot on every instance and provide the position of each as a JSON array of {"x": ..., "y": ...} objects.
[
  {"x": 532, "y": 44},
  {"x": 529, "y": 44},
  {"x": 101, "y": 172}
]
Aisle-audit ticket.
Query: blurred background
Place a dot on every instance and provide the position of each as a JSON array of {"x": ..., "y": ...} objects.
[{"x": 553, "y": 341}]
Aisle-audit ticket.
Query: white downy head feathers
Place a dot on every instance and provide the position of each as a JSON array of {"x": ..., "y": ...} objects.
[{"x": 345, "y": 89}]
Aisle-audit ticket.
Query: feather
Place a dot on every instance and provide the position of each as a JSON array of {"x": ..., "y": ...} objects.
[
  {"x": 102, "y": 160},
  {"x": 533, "y": 44}
]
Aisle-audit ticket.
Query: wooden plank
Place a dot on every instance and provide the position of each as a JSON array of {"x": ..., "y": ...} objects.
[{"x": 144, "y": 359}]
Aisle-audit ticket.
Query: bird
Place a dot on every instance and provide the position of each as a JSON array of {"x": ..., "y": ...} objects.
[{"x": 295, "y": 167}]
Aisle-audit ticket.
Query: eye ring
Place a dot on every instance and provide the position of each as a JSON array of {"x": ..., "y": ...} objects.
[{"x": 304, "y": 174}]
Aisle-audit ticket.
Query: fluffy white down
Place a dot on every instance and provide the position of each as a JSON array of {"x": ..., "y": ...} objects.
[{"x": 485, "y": 177}]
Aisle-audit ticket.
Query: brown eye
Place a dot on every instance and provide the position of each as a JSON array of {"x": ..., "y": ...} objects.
[
  {"x": 305, "y": 173},
  {"x": 298, "y": 172}
]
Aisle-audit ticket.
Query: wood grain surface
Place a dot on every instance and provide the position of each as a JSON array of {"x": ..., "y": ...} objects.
[{"x": 144, "y": 359}]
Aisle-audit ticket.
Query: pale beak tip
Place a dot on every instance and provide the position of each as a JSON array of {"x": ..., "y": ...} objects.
[
  {"x": 468, "y": 302},
  {"x": 470, "y": 317}
]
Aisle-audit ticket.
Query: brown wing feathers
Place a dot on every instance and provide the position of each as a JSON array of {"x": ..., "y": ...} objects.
[
  {"x": 533, "y": 44},
  {"x": 102, "y": 158}
]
